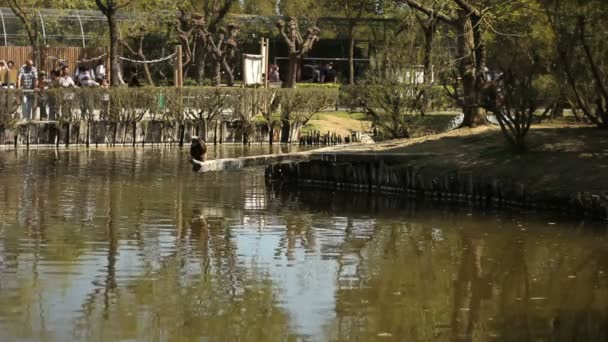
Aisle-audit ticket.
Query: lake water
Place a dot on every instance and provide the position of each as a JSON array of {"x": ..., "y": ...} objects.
[{"x": 130, "y": 245}]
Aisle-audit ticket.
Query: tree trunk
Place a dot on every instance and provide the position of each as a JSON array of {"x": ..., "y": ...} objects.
[
  {"x": 88, "y": 137},
  {"x": 245, "y": 137},
  {"x": 270, "y": 134},
  {"x": 134, "y": 132},
  {"x": 200, "y": 58},
  {"x": 351, "y": 53},
  {"x": 428, "y": 50},
  {"x": 285, "y": 130},
  {"x": 469, "y": 72},
  {"x": 201, "y": 129},
  {"x": 114, "y": 62},
  {"x": 148, "y": 73},
  {"x": 292, "y": 73},
  {"x": 229, "y": 73},
  {"x": 181, "y": 133},
  {"x": 217, "y": 71}
]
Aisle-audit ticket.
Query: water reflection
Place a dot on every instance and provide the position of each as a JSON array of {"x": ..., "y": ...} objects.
[{"x": 130, "y": 245}]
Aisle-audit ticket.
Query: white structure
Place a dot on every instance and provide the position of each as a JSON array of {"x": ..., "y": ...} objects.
[{"x": 253, "y": 69}]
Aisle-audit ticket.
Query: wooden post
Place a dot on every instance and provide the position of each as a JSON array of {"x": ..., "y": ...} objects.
[
  {"x": 108, "y": 69},
  {"x": 265, "y": 58},
  {"x": 178, "y": 76}
]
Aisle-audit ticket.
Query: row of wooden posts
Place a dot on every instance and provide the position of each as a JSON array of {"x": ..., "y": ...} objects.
[{"x": 152, "y": 133}]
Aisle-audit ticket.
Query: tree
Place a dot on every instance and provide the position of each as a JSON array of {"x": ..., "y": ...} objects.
[
  {"x": 26, "y": 11},
  {"x": 394, "y": 107},
  {"x": 304, "y": 103},
  {"x": 245, "y": 105},
  {"x": 204, "y": 105},
  {"x": 354, "y": 11},
  {"x": 109, "y": 8},
  {"x": 468, "y": 22},
  {"x": 297, "y": 44},
  {"x": 581, "y": 49},
  {"x": 222, "y": 45},
  {"x": 258, "y": 7},
  {"x": 516, "y": 93},
  {"x": 136, "y": 36},
  {"x": 269, "y": 110},
  {"x": 9, "y": 106},
  {"x": 201, "y": 34}
]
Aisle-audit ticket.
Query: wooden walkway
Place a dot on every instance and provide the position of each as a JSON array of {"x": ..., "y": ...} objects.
[
  {"x": 324, "y": 154},
  {"x": 234, "y": 164}
]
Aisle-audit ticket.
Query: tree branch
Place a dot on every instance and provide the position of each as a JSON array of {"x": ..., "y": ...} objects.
[
  {"x": 468, "y": 7},
  {"x": 430, "y": 12},
  {"x": 594, "y": 69},
  {"x": 102, "y": 7}
]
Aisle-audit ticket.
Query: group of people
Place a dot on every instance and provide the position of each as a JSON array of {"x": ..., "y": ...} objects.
[
  {"x": 324, "y": 73},
  {"x": 34, "y": 84}
]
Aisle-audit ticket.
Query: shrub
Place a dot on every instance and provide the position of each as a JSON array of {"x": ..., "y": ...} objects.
[
  {"x": 9, "y": 105},
  {"x": 395, "y": 108}
]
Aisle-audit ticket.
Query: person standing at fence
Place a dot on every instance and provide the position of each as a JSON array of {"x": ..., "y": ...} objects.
[
  {"x": 100, "y": 71},
  {"x": 27, "y": 80},
  {"x": 3, "y": 73},
  {"x": 52, "y": 99},
  {"x": 65, "y": 80},
  {"x": 11, "y": 76},
  {"x": 85, "y": 77},
  {"x": 42, "y": 99}
]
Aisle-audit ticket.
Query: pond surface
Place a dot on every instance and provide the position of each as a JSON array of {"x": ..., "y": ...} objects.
[{"x": 130, "y": 245}]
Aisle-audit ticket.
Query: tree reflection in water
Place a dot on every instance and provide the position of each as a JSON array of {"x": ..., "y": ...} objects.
[
  {"x": 439, "y": 275},
  {"x": 109, "y": 245}
]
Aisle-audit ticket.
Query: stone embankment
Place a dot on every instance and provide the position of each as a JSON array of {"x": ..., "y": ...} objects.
[{"x": 533, "y": 181}]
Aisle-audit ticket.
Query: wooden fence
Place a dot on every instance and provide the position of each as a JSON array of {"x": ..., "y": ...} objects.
[{"x": 19, "y": 54}]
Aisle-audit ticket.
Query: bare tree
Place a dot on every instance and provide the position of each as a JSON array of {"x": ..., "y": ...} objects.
[
  {"x": 136, "y": 36},
  {"x": 297, "y": 44},
  {"x": 109, "y": 8},
  {"x": 198, "y": 27},
  {"x": 514, "y": 106},
  {"x": 222, "y": 47},
  {"x": 298, "y": 106},
  {"x": 204, "y": 105},
  {"x": 26, "y": 11},
  {"x": 581, "y": 50}
]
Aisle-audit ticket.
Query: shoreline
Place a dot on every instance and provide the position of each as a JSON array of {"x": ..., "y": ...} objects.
[{"x": 441, "y": 167}]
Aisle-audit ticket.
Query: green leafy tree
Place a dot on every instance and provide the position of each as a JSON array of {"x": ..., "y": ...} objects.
[
  {"x": 581, "y": 49},
  {"x": 109, "y": 8},
  {"x": 355, "y": 11},
  {"x": 26, "y": 11},
  {"x": 467, "y": 19}
]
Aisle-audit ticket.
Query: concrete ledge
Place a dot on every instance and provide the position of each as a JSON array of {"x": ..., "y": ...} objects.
[
  {"x": 235, "y": 164},
  {"x": 387, "y": 158}
]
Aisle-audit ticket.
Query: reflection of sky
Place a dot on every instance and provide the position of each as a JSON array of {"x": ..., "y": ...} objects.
[
  {"x": 306, "y": 284},
  {"x": 61, "y": 289}
]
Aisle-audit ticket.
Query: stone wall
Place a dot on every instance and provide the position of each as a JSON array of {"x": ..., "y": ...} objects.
[{"x": 386, "y": 173}]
